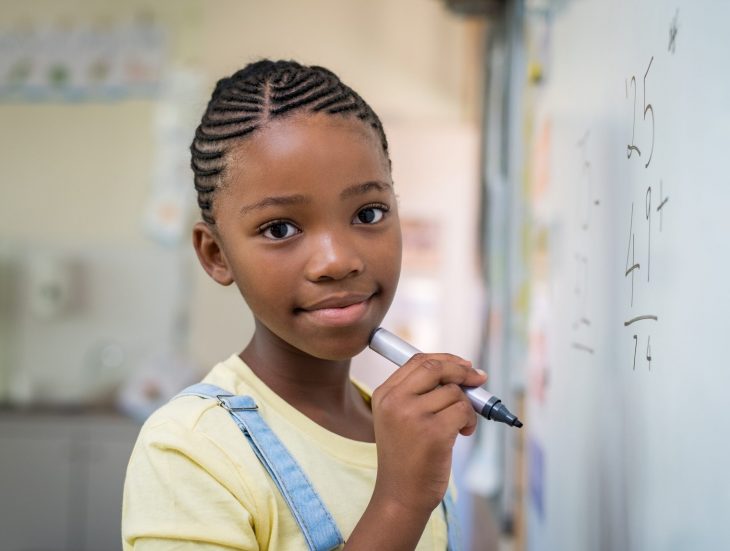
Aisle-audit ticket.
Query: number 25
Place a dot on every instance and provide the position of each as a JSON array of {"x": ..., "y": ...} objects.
[{"x": 647, "y": 109}]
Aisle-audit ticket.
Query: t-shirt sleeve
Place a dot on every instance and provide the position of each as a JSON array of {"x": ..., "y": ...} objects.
[{"x": 183, "y": 492}]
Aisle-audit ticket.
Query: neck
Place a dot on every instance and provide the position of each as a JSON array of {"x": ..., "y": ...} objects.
[
  {"x": 302, "y": 380},
  {"x": 320, "y": 389}
]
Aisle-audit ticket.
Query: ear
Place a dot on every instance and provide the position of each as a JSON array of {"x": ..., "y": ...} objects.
[{"x": 210, "y": 254}]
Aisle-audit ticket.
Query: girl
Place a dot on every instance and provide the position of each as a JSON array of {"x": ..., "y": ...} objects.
[{"x": 278, "y": 448}]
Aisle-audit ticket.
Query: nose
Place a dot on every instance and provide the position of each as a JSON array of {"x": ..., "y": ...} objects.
[{"x": 333, "y": 257}]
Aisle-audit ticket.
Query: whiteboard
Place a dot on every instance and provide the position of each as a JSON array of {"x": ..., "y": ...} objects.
[{"x": 628, "y": 444}]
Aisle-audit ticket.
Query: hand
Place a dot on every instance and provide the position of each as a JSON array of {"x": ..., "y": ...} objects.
[{"x": 418, "y": 413}]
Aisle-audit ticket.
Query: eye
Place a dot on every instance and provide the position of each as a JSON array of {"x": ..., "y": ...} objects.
[
  {"x": 278, "y": 230},
  {"x": 370, "y": 214}
]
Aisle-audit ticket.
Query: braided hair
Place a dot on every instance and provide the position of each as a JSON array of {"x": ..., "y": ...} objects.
[{"x": 258, "y": 93}]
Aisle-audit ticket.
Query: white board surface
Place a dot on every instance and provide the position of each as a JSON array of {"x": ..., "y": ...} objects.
[{"x": 630, "y": 443}]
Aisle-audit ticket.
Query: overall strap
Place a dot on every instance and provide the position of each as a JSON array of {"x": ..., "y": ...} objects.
[
  {"x": 452, "y": 526},
  {"x": 314, "y": 519}
]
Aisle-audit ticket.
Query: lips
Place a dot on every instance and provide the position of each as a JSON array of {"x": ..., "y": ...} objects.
[
  {"x": 337, "y": 301},
  {"x": 338, "y": 309}
]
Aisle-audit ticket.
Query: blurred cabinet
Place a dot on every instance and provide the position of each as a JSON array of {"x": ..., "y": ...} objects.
[{"x": 61, "y": 480}]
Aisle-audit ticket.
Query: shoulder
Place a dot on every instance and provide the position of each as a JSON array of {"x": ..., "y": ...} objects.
[
  {"x": 185, "y": 482},
  {"x": 189, "y": 434},
  {"x": 187, "y": 419},
  {"x": 180, "y": 424}
]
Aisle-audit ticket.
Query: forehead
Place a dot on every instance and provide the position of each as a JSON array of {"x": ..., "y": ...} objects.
[{"x": 304, "y": 150}]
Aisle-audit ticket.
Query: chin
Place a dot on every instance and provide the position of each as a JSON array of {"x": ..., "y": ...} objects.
[{"x": 341, "y": 347}]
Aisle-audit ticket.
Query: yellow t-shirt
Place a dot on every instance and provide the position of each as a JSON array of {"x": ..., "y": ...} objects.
[{"x": 193, "y": 481}]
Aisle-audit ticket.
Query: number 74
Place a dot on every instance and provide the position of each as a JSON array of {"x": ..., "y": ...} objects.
[{"x": 648, "y": 350}]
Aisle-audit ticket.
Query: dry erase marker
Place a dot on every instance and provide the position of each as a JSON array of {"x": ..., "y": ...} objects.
[{"x": 399, "y": 352}]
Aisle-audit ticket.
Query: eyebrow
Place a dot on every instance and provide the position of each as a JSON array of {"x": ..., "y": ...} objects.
[
  {"x": 361, "y": 189},
  {"x": 298, "y": 199},
  {"x": 275, "y": 200}
]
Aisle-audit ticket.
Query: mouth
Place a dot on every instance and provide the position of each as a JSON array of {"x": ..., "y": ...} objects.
[{"x": 340, "y": 310}]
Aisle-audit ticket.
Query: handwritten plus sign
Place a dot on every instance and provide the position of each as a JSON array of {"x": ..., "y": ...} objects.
[
  {"x": 673, "y": 33},
  {"x": 662, "y": 201}
]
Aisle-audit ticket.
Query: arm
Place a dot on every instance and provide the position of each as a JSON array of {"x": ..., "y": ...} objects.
[
  {"x": 181, "y": 492},
  {"x": 418, "y": 413}
]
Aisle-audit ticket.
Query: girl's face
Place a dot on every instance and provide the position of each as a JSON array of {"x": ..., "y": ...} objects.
[{"x": 308, "y": 229}]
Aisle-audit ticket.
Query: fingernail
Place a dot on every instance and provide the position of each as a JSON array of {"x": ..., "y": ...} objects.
[{"x": 480, "y": 371}]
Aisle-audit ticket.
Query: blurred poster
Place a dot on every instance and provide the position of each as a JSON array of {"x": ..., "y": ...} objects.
[
  {"x": 171, "y": 200},
  {"x": 416, "y": 313},
  {"x": 74, "y": 60},
  {"x": 421, "y": 245}
]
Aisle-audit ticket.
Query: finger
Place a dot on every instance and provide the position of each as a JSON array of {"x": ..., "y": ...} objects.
[
  {"x": 441, "y": 397},
  {"x": 432, "y": 372},
  {"x": 415, "y": 362},
  {"x": 459, "y": 417}
]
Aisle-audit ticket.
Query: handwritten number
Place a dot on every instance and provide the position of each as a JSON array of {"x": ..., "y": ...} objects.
[
  {"x": 648, "y": 351},
  {"x": 636, "y": 341},
  {"x": 648, "y": 107},
  {"x": 631, "y": 253},
  {"x": 648, "y": 218},
  {"x": 632, "y": 146},
  {"x": 586, "y": 184}
]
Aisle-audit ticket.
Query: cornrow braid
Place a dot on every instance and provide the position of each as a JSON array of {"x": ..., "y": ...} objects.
[{"x": 248, "y": 99}]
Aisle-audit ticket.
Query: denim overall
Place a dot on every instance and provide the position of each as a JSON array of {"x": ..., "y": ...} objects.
[{"x": 312, "y": 516}]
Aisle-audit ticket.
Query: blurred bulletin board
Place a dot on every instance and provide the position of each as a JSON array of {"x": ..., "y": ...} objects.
[
  {"x": 80, "y": 51},
  {"x": 626, "y": 117},
  {"x": 74, "y": 60}
]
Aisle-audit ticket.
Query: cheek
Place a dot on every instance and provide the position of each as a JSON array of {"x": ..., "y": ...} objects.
[
  {"x": 262, "y": 294},
  {"x": 388, "y": 257}
]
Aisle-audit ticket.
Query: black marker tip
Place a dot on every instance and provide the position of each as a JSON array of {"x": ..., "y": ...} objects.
[{"x": 501, "y": 414}]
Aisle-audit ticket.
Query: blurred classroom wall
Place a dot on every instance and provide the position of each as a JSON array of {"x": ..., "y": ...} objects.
[{"x": 413, "y": 62}]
